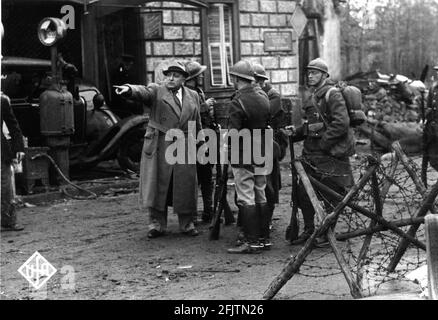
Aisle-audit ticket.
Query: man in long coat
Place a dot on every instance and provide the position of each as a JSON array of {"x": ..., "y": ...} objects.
[{"x": 163, "y": 183}]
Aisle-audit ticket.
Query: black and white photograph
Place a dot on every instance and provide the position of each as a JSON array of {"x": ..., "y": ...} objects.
[{"x": 221, "y": 155}]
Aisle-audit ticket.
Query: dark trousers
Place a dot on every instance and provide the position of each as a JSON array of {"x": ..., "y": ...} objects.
[
  {"x": 205, "y": 179},
  {"x": 335, "y": 174},
  {"x": 8, "y": 214}
]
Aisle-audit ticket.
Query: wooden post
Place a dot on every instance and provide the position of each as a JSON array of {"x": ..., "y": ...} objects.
[
  {"x": 428, "y": 202},
  {"x": 388, "y": 182},
  {"x": 324, "y": 189},
  {"x": 405, "y": 160},
  {"x": 366, "y": 244},
  {"x": 378, "y": 228},
  {"x": 326, "y": 222},
  {"x": 432, "y": 255}
]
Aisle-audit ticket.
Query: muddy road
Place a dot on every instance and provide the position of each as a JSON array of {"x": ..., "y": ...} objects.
[{"x": 101, "y": 251}]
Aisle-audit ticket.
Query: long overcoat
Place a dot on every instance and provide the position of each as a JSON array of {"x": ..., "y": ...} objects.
[{"x": 163, "y": 183}]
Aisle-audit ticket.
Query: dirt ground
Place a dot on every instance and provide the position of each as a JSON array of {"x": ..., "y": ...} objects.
[{"x": 101, "y": 251}]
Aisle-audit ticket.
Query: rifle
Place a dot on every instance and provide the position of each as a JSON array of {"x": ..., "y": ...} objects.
[
  {"x": 425, "y": 160},
  {"x": 220, "y": 189},
  {"x": 293, "y": 228}
]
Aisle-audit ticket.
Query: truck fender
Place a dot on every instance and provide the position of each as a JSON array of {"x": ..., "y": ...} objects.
[{"x": 125, "y": 125}]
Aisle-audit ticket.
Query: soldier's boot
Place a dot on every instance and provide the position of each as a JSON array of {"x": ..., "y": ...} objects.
[
  {"x": 241, "y": 234},
  {"x": 271, "y": 208},
  {"x": 207, "y": 195},
  {"x": 264, "y": 211},
  {"x": 251, "y": 227},
  {"x": 309, "y": 225}
]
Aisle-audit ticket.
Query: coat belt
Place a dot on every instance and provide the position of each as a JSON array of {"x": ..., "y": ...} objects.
[
  {"x": 158, "y": 126},
  {"x": 155, "y": 125}
]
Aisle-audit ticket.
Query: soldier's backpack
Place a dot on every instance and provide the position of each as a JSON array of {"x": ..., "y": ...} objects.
[{"x": 353, "y": 100}]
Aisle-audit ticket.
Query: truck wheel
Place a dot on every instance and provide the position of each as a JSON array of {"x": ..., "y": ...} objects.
[{"x": 129, "y": 153}]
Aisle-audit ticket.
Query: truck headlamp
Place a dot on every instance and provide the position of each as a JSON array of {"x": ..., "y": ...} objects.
[{"x": 51, "y": 30}]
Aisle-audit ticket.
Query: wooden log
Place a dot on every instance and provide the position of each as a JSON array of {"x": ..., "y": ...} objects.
[
  {"x": 405, "y": 161},
  {"x": 355, "y": 289},
  {"x": 428, "y": 202},
  {"x": 389, "y": 180},
  {"x": 326, "y": 222},
  {"x": 291, "y": 268},
  {"x": 375, "y": 137},
  {"x": 432, "y": 255},
  {"x": 378, "y": 228},
  {"x": 324, "y": 189},
  {"x": 367, "y": 242}
]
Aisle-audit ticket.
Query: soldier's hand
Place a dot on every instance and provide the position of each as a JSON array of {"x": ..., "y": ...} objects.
[
  {"x": 210, "y": 102},
  {"x": 122, "y": 90},
  {"x": 19, "y": 156},
  {"x": 289, "y": 130}
]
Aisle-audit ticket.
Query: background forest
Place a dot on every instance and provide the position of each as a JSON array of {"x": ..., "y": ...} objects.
[{"x": 393, "y": 36}]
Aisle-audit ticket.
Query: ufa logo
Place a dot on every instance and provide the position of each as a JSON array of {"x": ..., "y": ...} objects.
[{"x": 37, "y": 270}]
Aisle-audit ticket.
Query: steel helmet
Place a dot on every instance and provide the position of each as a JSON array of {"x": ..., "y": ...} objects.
[
  {"x": 194, "y": 69},
  {"x": 318, "y": 64},
  {"x": 243, "y": 69},
  {"x": 259, "y": 71},
  {"x": 176, "y": 66}
]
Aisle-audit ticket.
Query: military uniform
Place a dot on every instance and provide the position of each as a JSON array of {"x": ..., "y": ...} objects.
[
  {"x": 250, "y": 187},
  {"x": 431, "y": 126},
  {"x": 205, "y": 171},
  {"x": 277, "y": 116},
  {"x": 328, "y": 144}
]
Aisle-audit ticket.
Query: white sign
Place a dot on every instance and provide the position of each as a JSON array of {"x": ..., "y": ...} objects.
[
  {"x": 299, "y": 20},
  {"x": 37, "y": 270}
]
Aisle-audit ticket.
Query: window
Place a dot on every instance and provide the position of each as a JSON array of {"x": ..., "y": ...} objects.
[{"x": 220, "y": 39}]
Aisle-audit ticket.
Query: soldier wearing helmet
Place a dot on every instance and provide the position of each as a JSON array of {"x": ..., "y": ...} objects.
[
  {"x": 328, "y": 143},
  {"x": 205, "y": 171},
  {"x": 162, "y": 183},
  {"x": 277, "y": 116},
  {"x": 248, "y": 110}
]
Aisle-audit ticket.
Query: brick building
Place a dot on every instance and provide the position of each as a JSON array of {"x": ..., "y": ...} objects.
[
  {"x": 221, "y": 34},
  {"x": 216, "y": 33}
]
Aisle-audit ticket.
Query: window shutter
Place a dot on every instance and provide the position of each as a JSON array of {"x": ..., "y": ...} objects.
[{"x": 219, "y": 43}]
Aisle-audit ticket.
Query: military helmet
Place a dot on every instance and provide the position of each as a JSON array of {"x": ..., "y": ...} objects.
[
  {"x": 436, "y": 67},
  {"x": 318, "y": 64},
  {"x": 243, "y": 69},
  {"x": 194, "y": 69},
  {"x": 176, "y": 66},
  {"x": 259, "y": 71}
]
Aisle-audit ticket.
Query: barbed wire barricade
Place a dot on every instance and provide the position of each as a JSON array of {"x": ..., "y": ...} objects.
[{"x": 369, "y": 247}]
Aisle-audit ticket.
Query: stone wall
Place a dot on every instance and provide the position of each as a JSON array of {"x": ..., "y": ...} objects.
[
  {"x": 181, "y": 35},
  {"x": 258, "y": 16},
  {"x": 182, "y": 38}
]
